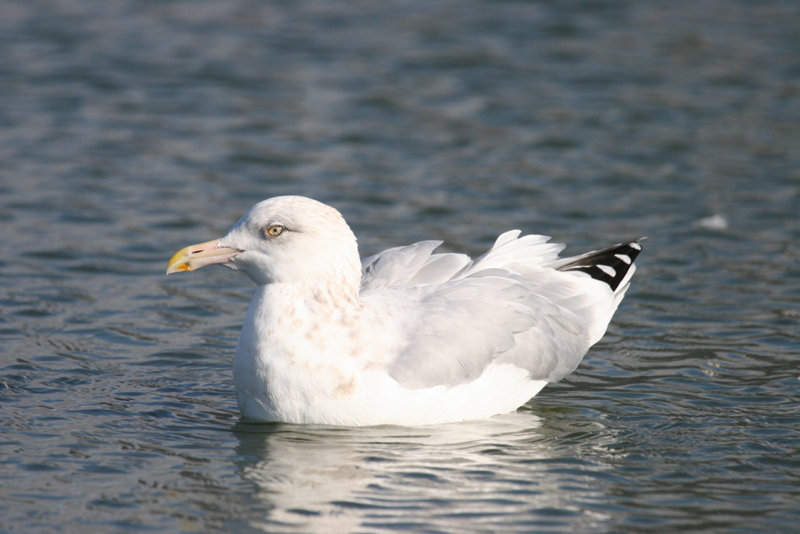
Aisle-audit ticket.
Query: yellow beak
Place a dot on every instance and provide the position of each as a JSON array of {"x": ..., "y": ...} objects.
[{"x": 196, "y": 256}]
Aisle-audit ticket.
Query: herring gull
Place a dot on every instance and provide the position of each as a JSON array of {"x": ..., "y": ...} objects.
[{"x": 406, "y": 336}]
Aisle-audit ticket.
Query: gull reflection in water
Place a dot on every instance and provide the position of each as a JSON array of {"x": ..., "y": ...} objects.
[{"x": 491, "y": 473}]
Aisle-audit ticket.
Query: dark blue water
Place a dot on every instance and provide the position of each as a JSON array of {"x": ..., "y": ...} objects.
[{"x": 129, "y": 129}]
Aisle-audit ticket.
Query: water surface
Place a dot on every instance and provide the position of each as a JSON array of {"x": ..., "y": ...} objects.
[{"x": 131, "y": 129}]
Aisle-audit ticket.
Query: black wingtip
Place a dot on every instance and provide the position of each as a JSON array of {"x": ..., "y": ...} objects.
[{"x": 609, "y": 265}]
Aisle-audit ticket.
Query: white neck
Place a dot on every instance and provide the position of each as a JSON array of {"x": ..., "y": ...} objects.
[{"x": 282, "y": 358}]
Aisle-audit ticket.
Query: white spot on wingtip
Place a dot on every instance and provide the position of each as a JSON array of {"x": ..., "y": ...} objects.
[
  {"x": 610, "y": 271},
  {"x": 624, "y": 258}
]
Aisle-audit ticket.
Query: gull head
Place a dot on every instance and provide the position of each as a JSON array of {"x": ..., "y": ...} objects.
[{"x": 288, "y": 239}]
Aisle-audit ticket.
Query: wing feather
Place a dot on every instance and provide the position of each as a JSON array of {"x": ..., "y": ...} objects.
[
  {"x": 410, "y": 266},
  {"x": 490, "y": 316},
  {"x": 511, "y": 305}
]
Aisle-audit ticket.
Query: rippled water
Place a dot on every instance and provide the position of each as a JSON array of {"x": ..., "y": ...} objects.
[{"x": 130, "y": 129}]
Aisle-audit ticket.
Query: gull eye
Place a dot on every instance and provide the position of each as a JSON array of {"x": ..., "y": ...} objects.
[{"x": 274, "y": 230}]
